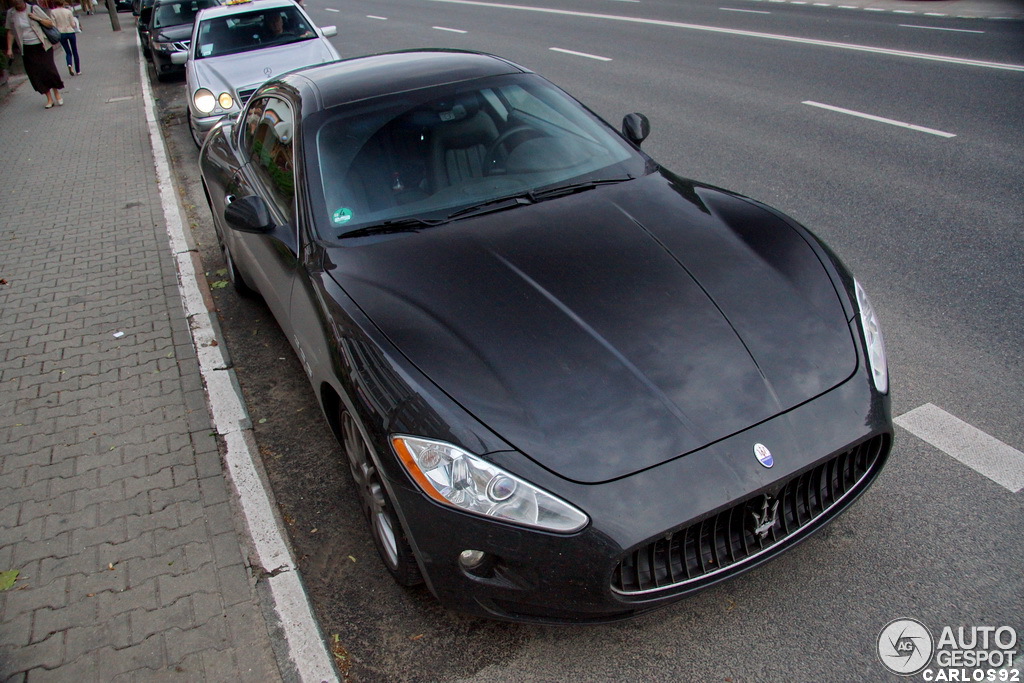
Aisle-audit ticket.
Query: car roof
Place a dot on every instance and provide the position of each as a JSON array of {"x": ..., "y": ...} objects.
[
  {"x": 243, "y": 7},
  {"x": 360, "y": 78}
]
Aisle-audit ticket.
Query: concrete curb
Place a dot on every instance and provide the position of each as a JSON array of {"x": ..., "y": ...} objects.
[{"x": 301, "y": 651}]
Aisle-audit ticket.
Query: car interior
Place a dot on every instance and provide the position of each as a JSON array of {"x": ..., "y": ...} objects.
[
  {"x": 452, "y": 151},
  {"x": 250, "y": 31}
]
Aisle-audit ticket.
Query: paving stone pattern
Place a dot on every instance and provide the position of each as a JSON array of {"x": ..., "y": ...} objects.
[{"x": 113, "y": 505}]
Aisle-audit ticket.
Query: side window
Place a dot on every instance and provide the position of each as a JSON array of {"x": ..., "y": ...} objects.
[{"x": 268, "y": 142}]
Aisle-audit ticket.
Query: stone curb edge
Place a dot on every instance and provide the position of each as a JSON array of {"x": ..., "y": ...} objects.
[{"x": 301, "y": 651}]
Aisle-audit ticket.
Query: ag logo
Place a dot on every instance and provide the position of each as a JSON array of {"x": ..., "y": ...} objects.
[{"x": 905, "y": 646}]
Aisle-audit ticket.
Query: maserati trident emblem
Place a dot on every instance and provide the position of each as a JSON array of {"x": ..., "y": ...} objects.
[
  {"x": 765, "y": 520},
  {"x": 763, "y": 455}
]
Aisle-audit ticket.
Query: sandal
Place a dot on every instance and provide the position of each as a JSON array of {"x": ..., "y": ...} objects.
[
  {"x": 60, "y": 101},
  {"x": 48, "y": 105}
]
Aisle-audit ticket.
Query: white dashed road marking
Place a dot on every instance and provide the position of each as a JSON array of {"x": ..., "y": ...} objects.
[
  {"x": 581, "y": 54},
  {"x": 879, "y": 119},
  {"x": 985, "y": 454},
  {"x": 941, "y": 28}
]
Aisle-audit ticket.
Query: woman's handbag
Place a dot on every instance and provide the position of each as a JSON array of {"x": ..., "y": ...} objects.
[{"x": 51, "y": 33}]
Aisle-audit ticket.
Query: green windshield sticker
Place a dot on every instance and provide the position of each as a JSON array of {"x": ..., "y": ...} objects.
[{"x": 342, "y": 215}]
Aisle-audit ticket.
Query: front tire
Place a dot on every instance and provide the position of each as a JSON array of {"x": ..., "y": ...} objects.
[{"x": 385, "y": 526}]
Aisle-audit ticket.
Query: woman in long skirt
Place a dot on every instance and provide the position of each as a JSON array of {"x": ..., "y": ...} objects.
[{"x": 24, "y": 25}]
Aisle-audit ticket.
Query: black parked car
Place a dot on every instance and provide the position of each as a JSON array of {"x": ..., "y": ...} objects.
[
  {"x": 570, "y": 385},
  {"x": 145, "y": 14},
  {"x": 170, "y": 30}
]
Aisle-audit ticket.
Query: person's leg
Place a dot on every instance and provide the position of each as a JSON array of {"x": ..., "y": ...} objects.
[
  {"x": 65, "y": 43},
  {"x": 74, "y": 51}
]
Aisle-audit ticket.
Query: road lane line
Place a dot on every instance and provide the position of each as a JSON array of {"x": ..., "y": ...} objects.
[
  {"x": 450, "y": 30},
  {"x": 940, "y": 28},
  {"x": 748, "y": 34},
  {"x": 985, "y": 454},
  {"x": 371, "y": 16},
  {"x": 581, "y": 54},
  {"x": 748, "y": 11},
  {"x": 879, "y": 119},
  {"x": 331, "y": 9}
]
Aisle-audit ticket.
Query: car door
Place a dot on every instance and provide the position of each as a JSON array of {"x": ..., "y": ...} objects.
[{"x": 271, "y": 258}]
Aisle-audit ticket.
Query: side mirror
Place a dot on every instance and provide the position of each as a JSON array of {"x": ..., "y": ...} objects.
[
  {"x": 179, "y": 58},
  {"x": 144, "y": 14},
  {"x": 249, "y": 214},
  {"x": 636, "y": 128},
  {"x": 329, "y": 31}
]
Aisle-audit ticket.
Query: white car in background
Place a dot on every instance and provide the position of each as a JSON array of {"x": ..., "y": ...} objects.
[{"x": 238, "y": 46}]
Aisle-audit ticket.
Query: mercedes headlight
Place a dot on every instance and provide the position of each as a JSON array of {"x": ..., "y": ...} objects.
[
  {"x": 873, "y": 340},
  {"x": 204, "y": 100},
  {"x": 461, "y": 480}
]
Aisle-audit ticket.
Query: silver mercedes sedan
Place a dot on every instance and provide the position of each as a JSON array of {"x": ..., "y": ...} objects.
[{"x": 238, "y": 46}]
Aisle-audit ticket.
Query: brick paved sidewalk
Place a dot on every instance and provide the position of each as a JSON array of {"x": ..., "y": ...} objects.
[{"x": 114, "y": 509}]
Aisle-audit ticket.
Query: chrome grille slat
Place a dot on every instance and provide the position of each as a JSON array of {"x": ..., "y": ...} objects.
[{"x": 726, "y": 540}]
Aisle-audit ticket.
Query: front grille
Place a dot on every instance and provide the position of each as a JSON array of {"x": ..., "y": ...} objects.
[
  {"x": 244, "y": 95},
  {"x": 727, "y": 541}
]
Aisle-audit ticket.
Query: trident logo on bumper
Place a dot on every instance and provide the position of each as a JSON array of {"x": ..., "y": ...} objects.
[{"x": 765, "y": 520}]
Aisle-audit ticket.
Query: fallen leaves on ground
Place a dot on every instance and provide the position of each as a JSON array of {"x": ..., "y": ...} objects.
[{"x": 7, "y": 579}]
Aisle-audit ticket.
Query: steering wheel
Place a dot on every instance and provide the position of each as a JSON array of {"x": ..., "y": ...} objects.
[{"x": 490, "y": 160}]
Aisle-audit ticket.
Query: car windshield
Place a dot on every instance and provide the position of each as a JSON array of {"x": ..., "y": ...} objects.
[
  {"x": 430, "y": 156},
  {"x": 251, "y": 31},
  {"x": 178, "y": 13}
]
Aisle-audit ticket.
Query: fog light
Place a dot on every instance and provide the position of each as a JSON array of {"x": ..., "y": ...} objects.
[{"x": 471, "y": 559}]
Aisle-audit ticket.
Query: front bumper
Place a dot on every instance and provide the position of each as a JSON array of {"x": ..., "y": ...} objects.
[
  {"x": 203, "y": 124},
  {"x": 544, "y": 577}
]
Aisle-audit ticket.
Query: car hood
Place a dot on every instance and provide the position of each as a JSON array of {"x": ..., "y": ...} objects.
[
  {"x": 612, "y": 330},
  {"x": 250, "y": 69}
]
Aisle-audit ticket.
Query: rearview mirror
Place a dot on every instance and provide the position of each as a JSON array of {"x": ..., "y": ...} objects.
[
  {"x": 329, "y": 31},
  {"x": 179, "y": 58},
  {"x": 248, "y": 214},
  {"x": 636, "y": 128}
]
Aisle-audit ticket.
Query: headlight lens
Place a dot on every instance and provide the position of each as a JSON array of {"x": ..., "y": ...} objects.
[
  {"x": 204, "y": 100},
  {"x": 873, "y": 339},
  {"x": 453, "y": 477},
  {"x": 225, "y": 100}
]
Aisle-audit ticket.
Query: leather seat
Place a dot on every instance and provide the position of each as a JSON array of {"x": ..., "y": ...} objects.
[{"x": 459, "y": 142}]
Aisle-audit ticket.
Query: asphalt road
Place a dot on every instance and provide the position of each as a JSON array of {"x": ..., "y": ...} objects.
[{"x": 931, "y": 225}]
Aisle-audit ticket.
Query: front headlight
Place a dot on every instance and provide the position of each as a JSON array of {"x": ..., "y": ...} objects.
[
  {"x": 204, "y": 100},
  {"x": 873, "y": 339},
  {"x": 456, "y": 478}
]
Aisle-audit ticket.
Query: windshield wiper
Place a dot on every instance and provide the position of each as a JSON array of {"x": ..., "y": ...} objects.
[
  {"x": 492, "y": 205},
  {"x": 572, "y": 188},
  {"x": 410, "y": 224}
]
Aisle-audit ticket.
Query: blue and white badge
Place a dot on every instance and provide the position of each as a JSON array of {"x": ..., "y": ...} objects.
[{"x": 763, "y": 455}]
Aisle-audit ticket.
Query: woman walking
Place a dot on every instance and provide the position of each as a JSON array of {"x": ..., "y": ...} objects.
[
  {"x": 24, "y": 25},
  {"x": 64, "y": 20}
]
